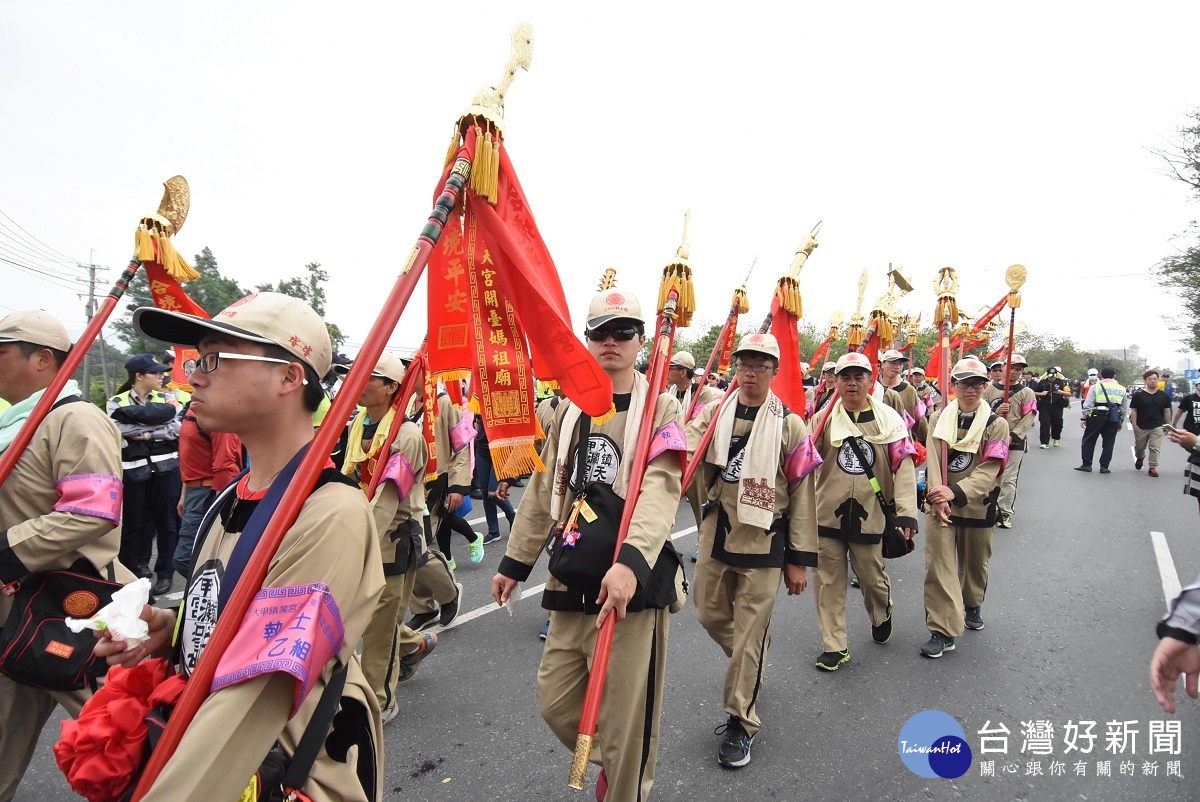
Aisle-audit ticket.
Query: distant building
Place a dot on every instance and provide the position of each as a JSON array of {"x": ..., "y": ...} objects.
[
  {"x": 1186, "y": 364},
  {"x": 1133, "y": 353}
]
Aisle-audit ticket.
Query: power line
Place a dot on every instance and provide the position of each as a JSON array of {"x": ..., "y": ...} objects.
[
  {"x": 26, "y": 258},
  {"x": 44, "y": 276},
  {"x": 38, "y": 241}
]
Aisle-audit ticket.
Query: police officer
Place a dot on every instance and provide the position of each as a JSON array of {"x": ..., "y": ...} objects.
[{"x": 1103, "y": 414}]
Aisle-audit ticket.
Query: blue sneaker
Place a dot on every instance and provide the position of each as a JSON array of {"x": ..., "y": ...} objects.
[
  {"x": 476, "y": 549},
  {"x": 491, "y": 537},
  {"x": 545, "y": 631}
]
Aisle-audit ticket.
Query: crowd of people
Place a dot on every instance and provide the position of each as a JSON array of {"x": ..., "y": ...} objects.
[{"x": 818, "y": 497}]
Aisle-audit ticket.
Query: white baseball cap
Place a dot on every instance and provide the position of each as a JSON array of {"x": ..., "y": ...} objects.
[
  {"x": 758, "y": 343},
  {"x": 683, "y": 359},
  {"x": 613, "y": 304},
  {"x": 269, "y": 318},
  {"x": 892, "y": 355},
  {"x": 35, "y": 327},
  {"x": 969, "y": 368},
  {"x": 853, "y": 360}
]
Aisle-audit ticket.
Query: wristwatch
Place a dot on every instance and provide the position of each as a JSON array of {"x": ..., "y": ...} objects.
[{"x": 1165, "y": 631}]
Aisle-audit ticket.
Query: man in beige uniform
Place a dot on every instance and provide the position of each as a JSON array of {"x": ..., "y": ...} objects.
[
  {"x": 60, "y": 505},
  {"x": 679, "y": 382},
  {"x": 638, "y": 588},
  {"x": 850, "y": 521},
  {"x": 391, "y": 651},
  {"x": 258, "y": 375},
  {"x": 891, "y": 376},
  {"x": 958, "y": 528},
  {"x": 436, "y": 595},
  {"x": 1020, "y": 413},
  {"x": 759, "y": 526}
]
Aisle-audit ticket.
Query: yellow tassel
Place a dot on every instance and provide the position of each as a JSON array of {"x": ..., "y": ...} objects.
[
  {"x": 516, "y": 459},
  {"x": 494, "y": 178},
  {"x": 687, "y": 293},
  {"x": 478, "y": 163},
  {"x": 549, "y": 385},
  {"x": 606, "y": 417},
  {"x": 473, "y": 405},
  {"x": 743, "y": 303},
  {"x": 172, "y": 262},
  {"x": 143, "y": 245},
  {"x": 538, "y": 432},
  {"x": 452, "y": 151}
]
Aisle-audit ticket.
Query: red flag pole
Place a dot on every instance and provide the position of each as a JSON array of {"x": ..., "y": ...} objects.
[
  {"x": 735, "y": 309},
  {"x": 250, "y": 583},
  {"x": 660, "y": 356},
  {"x": 414, "y": 377}
]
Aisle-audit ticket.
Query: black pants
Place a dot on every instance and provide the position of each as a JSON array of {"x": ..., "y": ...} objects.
[
  {"x": 1051, "y": 424},
  {"x": 150, "y": 507},
  {"x": 1099, "y": 428}
]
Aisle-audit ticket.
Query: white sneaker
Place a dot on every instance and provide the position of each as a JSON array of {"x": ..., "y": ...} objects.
[
  {"x": 1045, "y": 445},
  {"x": 387, "y": 716}
]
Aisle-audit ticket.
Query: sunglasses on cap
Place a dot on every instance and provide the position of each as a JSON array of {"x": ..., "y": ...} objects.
[{"x": 621, "y": 334}]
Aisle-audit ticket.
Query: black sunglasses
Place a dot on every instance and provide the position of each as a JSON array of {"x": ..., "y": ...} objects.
[{"x": 621, "y": 334}]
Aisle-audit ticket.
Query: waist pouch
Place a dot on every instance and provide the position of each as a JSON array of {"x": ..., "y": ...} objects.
[{"x": 36, "y": 647}]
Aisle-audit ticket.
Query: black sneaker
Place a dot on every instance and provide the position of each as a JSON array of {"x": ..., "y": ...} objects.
[
  {"x": 423, "y": 621},
  {"x": 1004, "y": 521},
  {"x": 831, "y": 661},
  {"x": 1105, "y": 470},
  {"x": 883, "y": 632},
  {"x": 1085, "y": 468},
  {"x": 411, "y": 661},
  {"x": 735, "y": 747},
  {"x": 1137, "y": 464},
  {"x": 974, "y": 619},
  {"x": 938, "y": 645},
  {"x": 854, "y": 580},
  {"x": 450, "y": 611}
]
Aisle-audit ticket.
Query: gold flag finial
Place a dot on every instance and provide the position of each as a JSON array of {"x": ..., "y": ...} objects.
[
  {"x": 489, "y": 101},
  {"x": 677, "y": 276},
  {"x": 1015, "y": 278},
  {"x": 486, "y": 116},
  {"x": 945, "y": 284},
  {"x": 608, "y": 280},
  {"x": 152, "y": 240}
]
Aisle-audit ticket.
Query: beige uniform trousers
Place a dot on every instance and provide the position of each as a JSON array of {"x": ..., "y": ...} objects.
[
  {"x": 956, "y": 573},
  {"x": 626, "y": 743},
  {"x": 23, "y": 713},
  {"x": 435, "y": 581},
  {"x": 829, "y": 587},
  {"x": 1147, "y": 437},
  {"x": 386, "y": 639},
  {"x": 1008, "y": 483},
  {"x": 734, "y": 605}
]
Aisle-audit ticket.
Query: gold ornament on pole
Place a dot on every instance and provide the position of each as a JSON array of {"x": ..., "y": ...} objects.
[
  {"x": 854, "y": 336},
  {"x": 677, "y": 276},
  {"x": 152, "y": 240}
]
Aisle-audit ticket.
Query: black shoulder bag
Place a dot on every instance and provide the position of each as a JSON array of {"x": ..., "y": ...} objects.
[
  {"x": 582, "y": 547},
  {"x": 895, "y": 544}
]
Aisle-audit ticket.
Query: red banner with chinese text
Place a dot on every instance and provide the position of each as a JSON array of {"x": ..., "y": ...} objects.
[
  {"x": 501, "y": 374},
  {"x": 168, "y": 294}
]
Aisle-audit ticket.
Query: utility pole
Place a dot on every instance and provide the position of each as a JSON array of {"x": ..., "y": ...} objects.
[{"x": 91, "y": 312}]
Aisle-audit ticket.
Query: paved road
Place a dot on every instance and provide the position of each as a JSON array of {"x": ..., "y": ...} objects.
[{"x": 1076, "y": 587}]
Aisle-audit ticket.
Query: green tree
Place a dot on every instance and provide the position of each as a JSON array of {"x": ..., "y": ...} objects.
[
  {"x": 1180, "y": 271},
  {"x": 212, "y": 292},
  {"x": 310, "y": 288}
]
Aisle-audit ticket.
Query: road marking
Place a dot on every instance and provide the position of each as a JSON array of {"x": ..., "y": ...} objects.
[
  {"x": 531, "y": 591},
  {"x": 1166, "y": 567}
]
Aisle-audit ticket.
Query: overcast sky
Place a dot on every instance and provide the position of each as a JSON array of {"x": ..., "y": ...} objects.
[{"x": 923, "y": 134}]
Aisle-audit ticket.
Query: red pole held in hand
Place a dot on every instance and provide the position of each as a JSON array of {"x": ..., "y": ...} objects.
[{"x": 310, "y": 467}]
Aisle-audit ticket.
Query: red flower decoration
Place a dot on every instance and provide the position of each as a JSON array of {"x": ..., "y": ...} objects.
[{"x": 103, "y": 751}]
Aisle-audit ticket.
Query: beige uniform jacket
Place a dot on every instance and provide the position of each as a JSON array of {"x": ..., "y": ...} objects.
[
  {"x": 333, "y": 541},
  {"x": 792, "y": 538},
  {"x": 652, "y": 519},
  {"x": 974, "y": 478},
  {"x": 62, "y": 501},
  {"x": 399, "y": 501},
  {"x": 910, "y": 399},
  {"x": 846, "y": 504},
  {"x": 1022, "y": 408}
]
